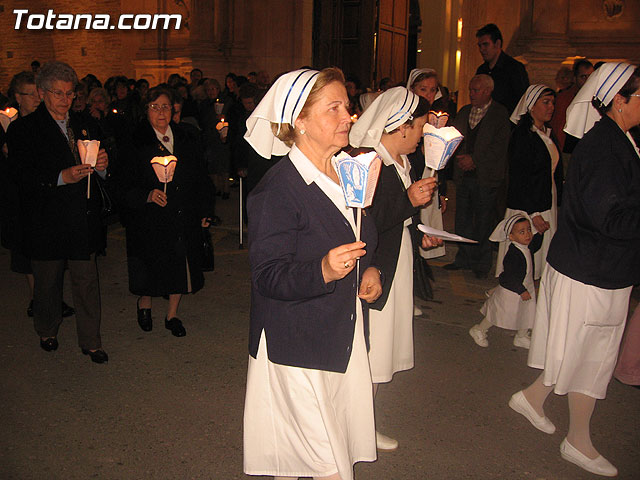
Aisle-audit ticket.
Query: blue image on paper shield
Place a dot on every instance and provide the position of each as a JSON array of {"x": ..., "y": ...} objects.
[
  {"x": 353, "y": 178},
  {"x": 449, "y": 148}
]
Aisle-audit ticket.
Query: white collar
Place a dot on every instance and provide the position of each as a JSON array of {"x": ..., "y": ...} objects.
[
  {"x": 389, "y": 161},
  {"x": 168, "y": 133},
  {"x": 307, "y": 170}
]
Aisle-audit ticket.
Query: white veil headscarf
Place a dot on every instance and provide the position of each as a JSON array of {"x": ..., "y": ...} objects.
[
  {"x": 415, "y": 73},
  {"x": 387, "y": 112},
  {"x": 503, "y": 229},
  {"x": 603, "y": 84},
  {"x": 281, "y": 104},
  {"x": 527, "y": 101}
]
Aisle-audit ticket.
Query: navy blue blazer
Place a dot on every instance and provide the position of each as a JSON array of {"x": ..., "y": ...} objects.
[
  {"x": 308, "y": 323},
  {"x": 598, "y": 236}
]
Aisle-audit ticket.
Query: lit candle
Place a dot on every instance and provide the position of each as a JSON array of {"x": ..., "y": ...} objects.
[{"x": 164, "y": 168}]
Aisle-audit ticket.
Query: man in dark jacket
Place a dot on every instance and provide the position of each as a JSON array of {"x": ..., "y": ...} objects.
[
  {"x": 61, "y": 225},
  {"x": 480, "y": 167},
  {"x": 509, "y": 75}
]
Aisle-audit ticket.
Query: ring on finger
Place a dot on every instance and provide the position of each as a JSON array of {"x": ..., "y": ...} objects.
[
  {"x": 421, "y": 190},
  {"x": 347, "y": 264}
]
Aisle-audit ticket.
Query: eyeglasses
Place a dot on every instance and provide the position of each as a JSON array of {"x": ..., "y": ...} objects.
[
  {"x": 59, "y": 94},
  {"x": 634, "y": 95},
  {"x": 160, "y": 107},
  {"x": 32, "y": 94}
]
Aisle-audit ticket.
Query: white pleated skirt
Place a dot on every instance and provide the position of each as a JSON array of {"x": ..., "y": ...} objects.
[
  {"x": 301, "y": 422},
  {"x": 576, "y": 334},
  {"x": 391, "y": 329},
  {"x": 507, "y": 309}
]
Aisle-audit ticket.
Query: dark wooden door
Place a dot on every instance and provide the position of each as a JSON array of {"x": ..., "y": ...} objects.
[
  {"x": 365, "y": 38},
  {"x": 392, "y": 41}
]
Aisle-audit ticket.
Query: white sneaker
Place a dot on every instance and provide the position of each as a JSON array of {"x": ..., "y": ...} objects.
[
  {"x": 417, "y": 311},
  {"x": 385, "y": 443},
  {"x": 598, "y": 465},
  {"x": 520, "y": 404},
  {"x": 522, "y": 342},
  {"x": 479, "y": 336}
]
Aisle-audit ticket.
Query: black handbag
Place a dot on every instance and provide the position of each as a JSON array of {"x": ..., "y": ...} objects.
[
  {"x": 208, "y": 263},
  {"x": 106, "y": 204},
  {"x": 422, "y": 277}
]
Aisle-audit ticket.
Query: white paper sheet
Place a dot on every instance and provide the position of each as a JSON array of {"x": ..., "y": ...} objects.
[{"x": 452, "y": 237}]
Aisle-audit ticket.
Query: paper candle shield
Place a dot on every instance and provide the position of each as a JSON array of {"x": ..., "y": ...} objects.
[
  {"x": 438, "y": 119},
  {"x": 164, "y": 167},
  {"x": 439, "y": 145},
  {"x": 358, "y": 177},
  {"x": 7, "y": 116},
  {"x": 88, "y": 151}
]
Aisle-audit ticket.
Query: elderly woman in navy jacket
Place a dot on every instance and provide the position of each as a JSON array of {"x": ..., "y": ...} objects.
[{"x": 309, "y": 406}]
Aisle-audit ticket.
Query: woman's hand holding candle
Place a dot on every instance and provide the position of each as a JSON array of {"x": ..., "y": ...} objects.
[
  {"x": 158, "y": 197},
  {"x": 102, "y": 161},
  {"x": 420, "y": 192}
]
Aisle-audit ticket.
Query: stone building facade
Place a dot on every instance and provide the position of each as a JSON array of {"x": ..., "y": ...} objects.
[
  {"x": 217, "y": 36},
  {"x": 220, "y": 36}
]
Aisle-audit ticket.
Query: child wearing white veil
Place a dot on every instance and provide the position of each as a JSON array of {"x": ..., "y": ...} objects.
[{"x": 512, "y": 304}]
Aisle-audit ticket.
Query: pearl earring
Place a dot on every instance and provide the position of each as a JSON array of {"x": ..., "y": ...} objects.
[
  {"x": 302, "y": 132},
  {"x": 620, "y": 110}
]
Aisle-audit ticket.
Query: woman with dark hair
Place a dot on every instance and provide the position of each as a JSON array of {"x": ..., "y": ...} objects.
[
  {"x": 230, "y": 92},
  {"x": 217, "y": 151},
  {"x": 392, "y": 125},
  {"x": 592, "y": 264},
  {"x": 163, "y": 221},
  {"x": 535, "y": 170}
]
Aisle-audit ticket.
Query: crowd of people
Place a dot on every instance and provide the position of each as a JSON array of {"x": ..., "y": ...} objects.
[{"x": 333, "y": 294}]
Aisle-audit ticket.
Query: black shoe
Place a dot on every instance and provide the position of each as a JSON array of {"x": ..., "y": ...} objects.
[
  {"x": 67, "y": 311},
  {"x": 30, "y": 309},
  {"x": 144, "y": 318},
  {"x": 480, "y": 275},
  {"x": 175, "y": 325},
  {"x": 49, "y": 344},
  {"x": 452, "y": 266},
  {"x": 99, "y": 356}
]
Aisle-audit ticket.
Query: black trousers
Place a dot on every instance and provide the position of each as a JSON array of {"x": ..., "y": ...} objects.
[
  {"x": 475, "y": 219},
  {"x": 47, "y": 299}
]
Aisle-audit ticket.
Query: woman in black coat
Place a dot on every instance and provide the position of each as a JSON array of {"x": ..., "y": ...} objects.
[
  {"x": 535, "y": 169},
  {"x": 164, "y": 238}
]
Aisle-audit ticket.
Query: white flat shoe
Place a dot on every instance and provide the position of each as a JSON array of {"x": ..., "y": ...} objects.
[
  {"x": 598, "y": 465},
  {"x": 385, "y": 443},
  {"x": 520, "y": 404},
  {"x": 479, "y": 336},
  {"x": 417, "y": 311},
  {"x": 522, "y": 342}
]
